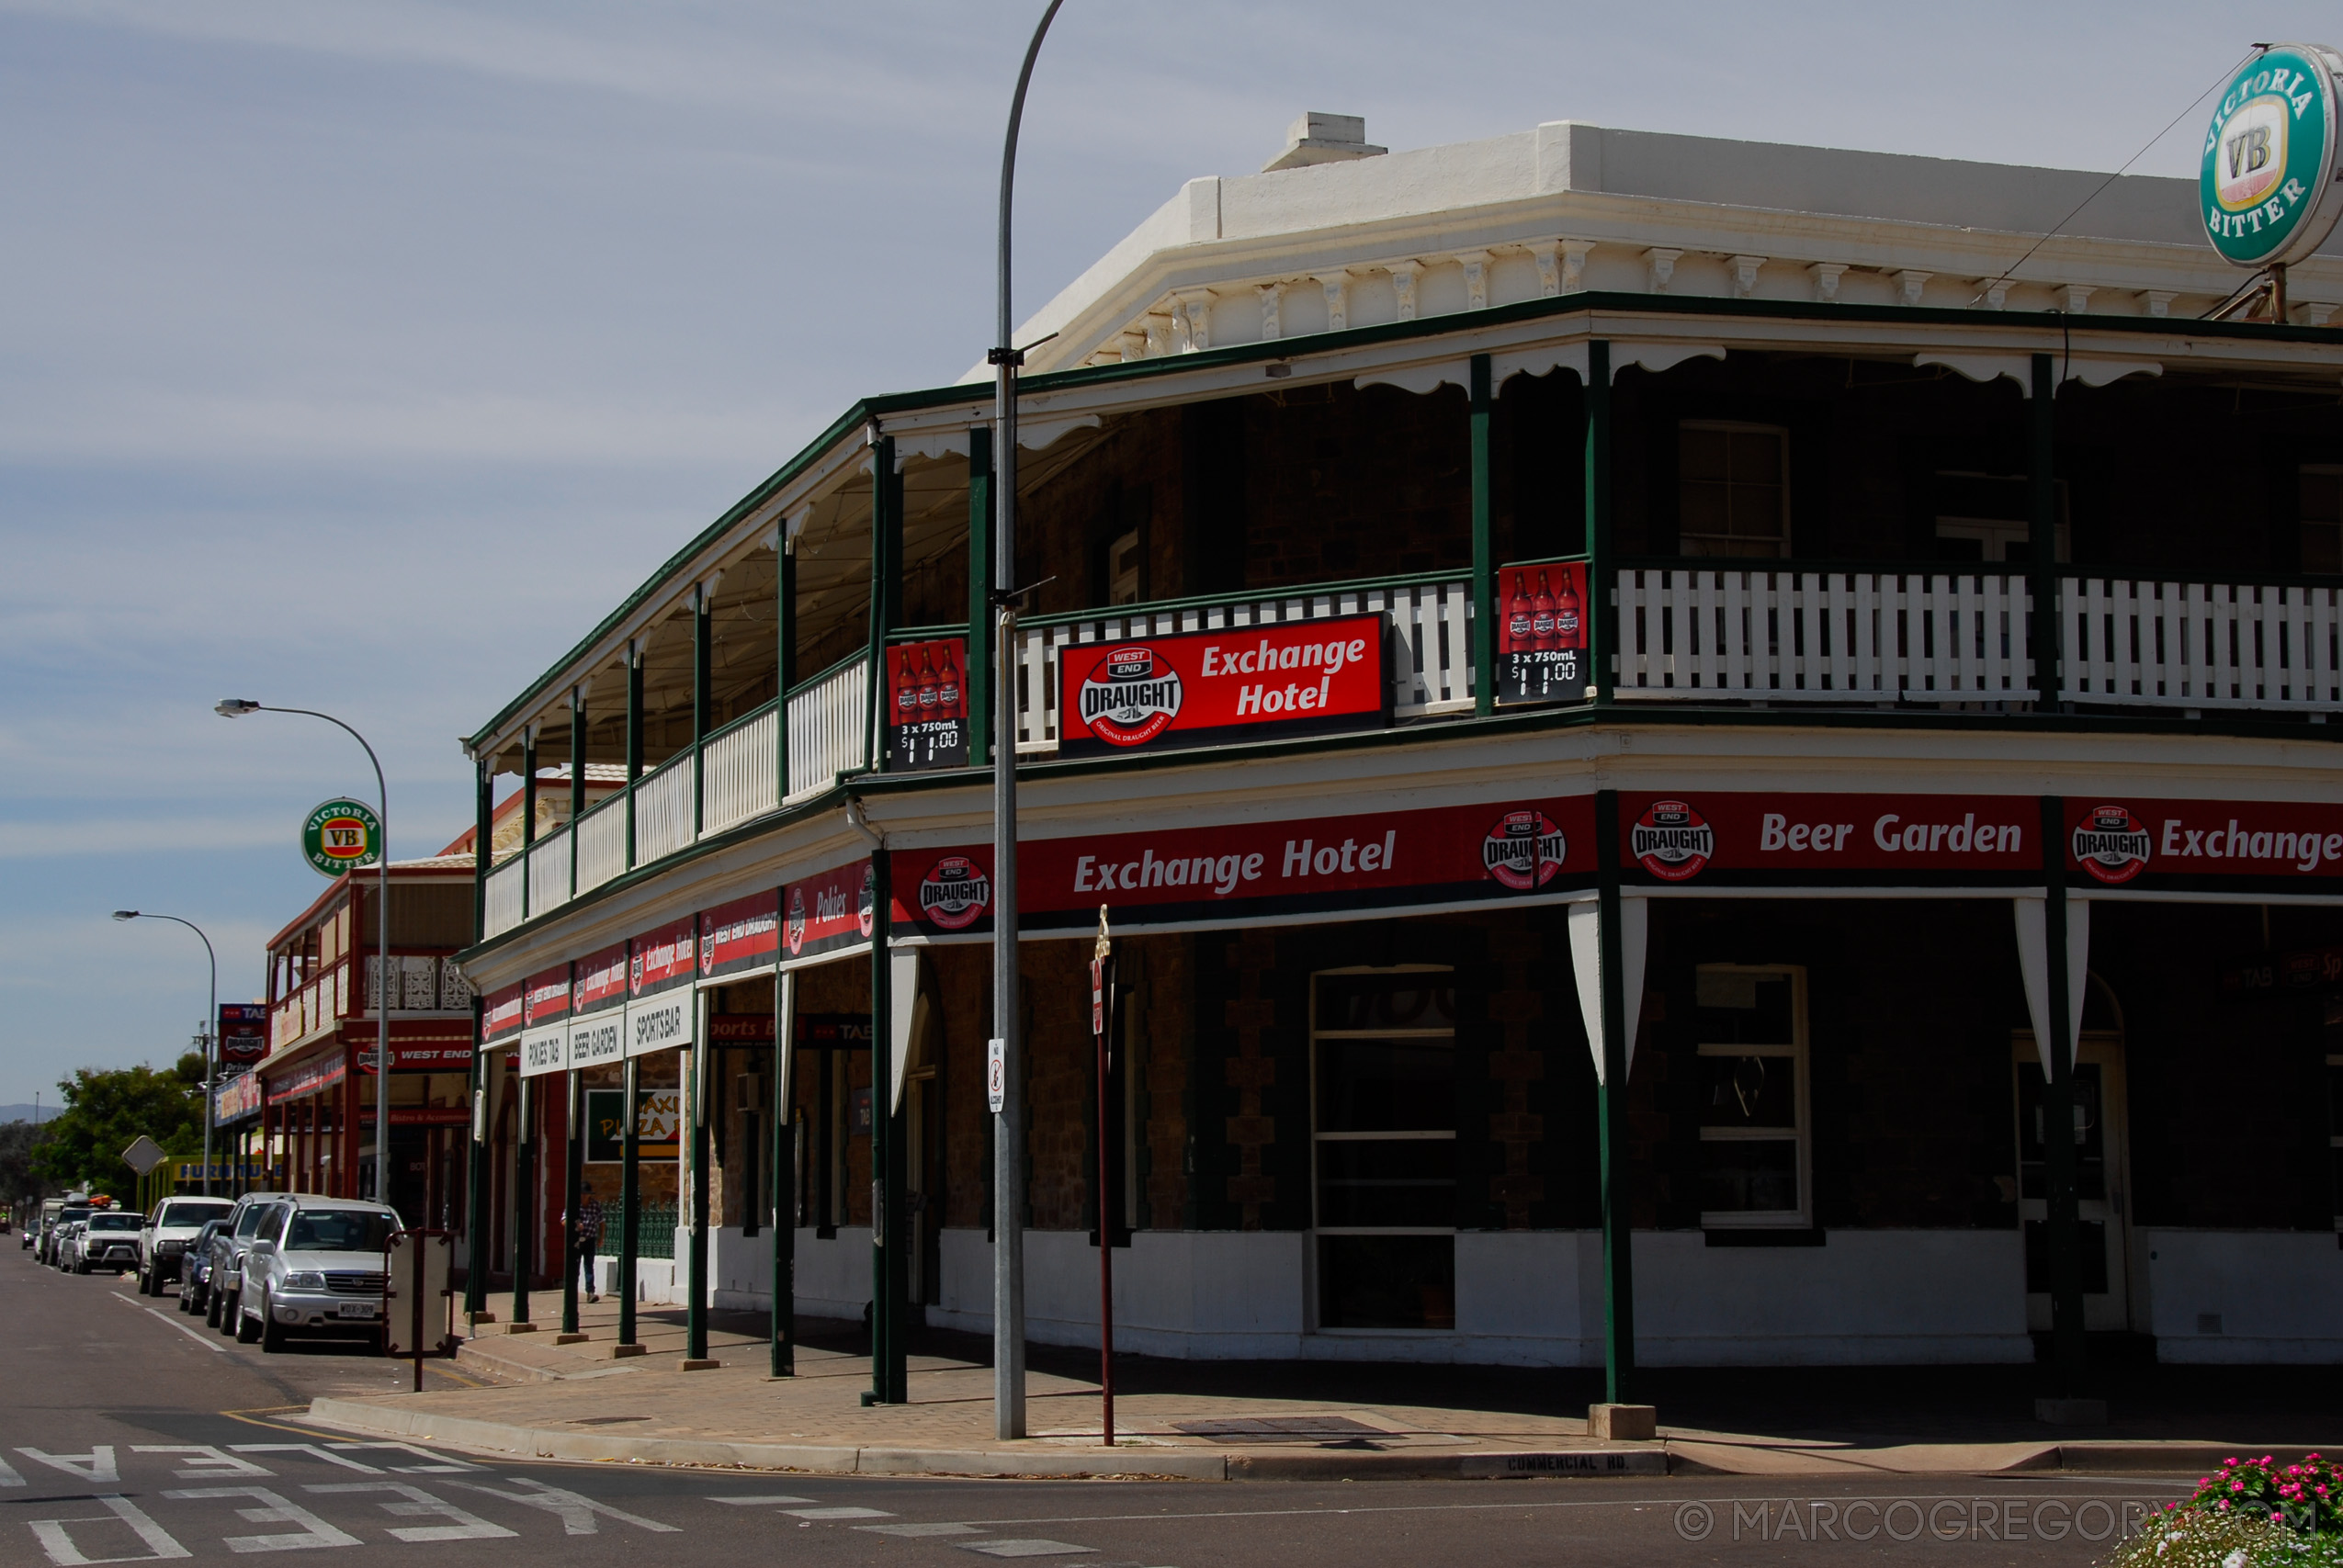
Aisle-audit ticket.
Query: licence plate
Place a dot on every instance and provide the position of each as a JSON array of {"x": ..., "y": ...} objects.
[{"x": 354, "y": 1309}]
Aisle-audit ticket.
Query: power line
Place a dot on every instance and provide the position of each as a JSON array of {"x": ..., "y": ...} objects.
[{"x": 2101, "y": 188}]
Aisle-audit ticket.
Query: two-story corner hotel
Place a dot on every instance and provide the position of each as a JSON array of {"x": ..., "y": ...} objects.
[{"x": 1748, "y": 605}]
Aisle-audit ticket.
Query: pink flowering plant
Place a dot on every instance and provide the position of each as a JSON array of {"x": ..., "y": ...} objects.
[{"x": 2307, "y": 1498}]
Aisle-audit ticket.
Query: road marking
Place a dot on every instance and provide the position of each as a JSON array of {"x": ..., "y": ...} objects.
[
  {"x": 56, "y": 1542},
  {"x": 207, "y": 1463},
  {"x": 915, "y": 1531},
  {"x": 96, "y": 1465},
  {"x": 8, "y": 1477},
  {"x": 313, "y": 1449},
  {"x": 441, "y": 1463},
  {"x": 758, "y": 1501},
  {"x": 420, "y": 1504},
  {"x": 576, "y": 1513},
  {"x": 275, "y": 1509},
  {"x": 206, "y": 1340},
  {"x": 1025, "y": 1548},
  {"x": 838, "y": 1513}
]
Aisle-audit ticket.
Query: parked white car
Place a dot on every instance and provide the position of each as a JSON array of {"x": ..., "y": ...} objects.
[
  {"x": 166, "y": 1235},
  {"x": 315, "y": 1267},
  {"x": 108, "y": 1239}
]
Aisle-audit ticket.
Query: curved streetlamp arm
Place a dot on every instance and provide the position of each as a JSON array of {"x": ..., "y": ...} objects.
[
  {"x": 1009, "y": 160},
  {"x": 211, "y": 1028},
  {"x": 381, "y": 791}
]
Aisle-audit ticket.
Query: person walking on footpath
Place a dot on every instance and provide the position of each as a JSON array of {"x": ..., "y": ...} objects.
[{"x": 589, "y": 1233}]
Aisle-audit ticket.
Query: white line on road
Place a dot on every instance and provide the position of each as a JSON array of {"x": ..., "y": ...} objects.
[
  {"x": 838, "y": 1513},
  {"x": 1025, "y": 1548},
  {"x": 759, "y": 1502},
  {"x": 58, "y": 1544},
  {"x": 203, "y": 1339}
]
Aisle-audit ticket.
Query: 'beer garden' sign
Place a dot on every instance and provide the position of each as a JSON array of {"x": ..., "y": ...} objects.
[
  {"x": 341, "y": 835},
  {"x": 2267, "y": 181}
]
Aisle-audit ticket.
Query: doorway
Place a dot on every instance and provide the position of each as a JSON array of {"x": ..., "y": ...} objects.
[{"x": 2102, "y": 1180}]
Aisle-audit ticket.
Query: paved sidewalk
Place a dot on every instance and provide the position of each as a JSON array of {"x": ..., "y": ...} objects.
[{"x": 1214, "y": 1421}]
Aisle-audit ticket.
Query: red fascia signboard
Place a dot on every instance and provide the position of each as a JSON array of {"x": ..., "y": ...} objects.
[
  {"x": 1503, "y": 851},
  {"x": 1241, "y": 683},
  {"x": 601, "y": 980},
  {"x": 501, "y": 1013},
  {"x": 664, "y": 957},
  {"x": 830, "y": 910},
  {"x": 2112, "y": 841},
  {"x": 740, "y": 1029},
  {"x": 243, "y": 1031},
  {"x": 1829, "y": 840},
  {"x": 742, "y": 936},
  {"x": 546, "y": 996}
]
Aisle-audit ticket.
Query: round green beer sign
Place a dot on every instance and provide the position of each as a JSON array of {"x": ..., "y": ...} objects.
[
  {"x": 341, "y": 835},
  {"x": 2267, "y": 183}
]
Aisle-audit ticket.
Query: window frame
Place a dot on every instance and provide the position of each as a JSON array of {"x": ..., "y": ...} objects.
[
  {"x": 2335, "y": 1140},
  {"x": 1448, "y": 1033},
  {"x": 2332, "y": 471},
  {"x": 1781, "y": 433},
  {"x": 1798, "y": 1052}
]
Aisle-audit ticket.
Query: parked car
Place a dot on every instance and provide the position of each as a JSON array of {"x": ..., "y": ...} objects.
[
  {"x": 315, "y": 1267},
  {"x": 163, "y": 1237},
  {"x": 228, "y": 1245},
  {"x": 61, "y": 1244},
  {"x": 195, "y": 1267},
  {"x": 107, "y": 1240},
  {"x": 66, "y": 1214}
]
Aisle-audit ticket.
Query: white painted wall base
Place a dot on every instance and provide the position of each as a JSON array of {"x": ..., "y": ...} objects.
[{"x": 2278, "y": 1295}]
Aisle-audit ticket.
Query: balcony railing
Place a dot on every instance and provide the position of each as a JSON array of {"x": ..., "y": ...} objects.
[
  {"x": 2203, "y": 645},
  {"x": 426, "y": 983},
  {"x": 1774, "y": 634},
  {"x": 1697, "y": 632}
]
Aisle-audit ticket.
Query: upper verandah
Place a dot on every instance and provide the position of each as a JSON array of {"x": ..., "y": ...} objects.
[{"x": 1533, "y": 307}]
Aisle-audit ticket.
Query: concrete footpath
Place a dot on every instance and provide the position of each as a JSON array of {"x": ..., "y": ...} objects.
[{"x": 1194, "y": 1421}]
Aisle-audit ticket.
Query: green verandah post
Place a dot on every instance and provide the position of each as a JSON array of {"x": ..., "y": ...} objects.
[
  {"x": 1611, "y": 1114},
  {"x": 1602, "y": 588},
  {"x": 1484, "y": 548},
  {"x": 697, "y": 1066},
  {"x": 630, "y": 1198},
  {"x": 784, "y": 1327},
  {"x": 976, "y": 673},
  {"x": 2063, "y": 1224}
]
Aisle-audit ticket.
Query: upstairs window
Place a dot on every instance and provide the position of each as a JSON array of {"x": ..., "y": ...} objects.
[
  {"x": 2322, "y": 519},
  {"x": 1732, "y": 496}
]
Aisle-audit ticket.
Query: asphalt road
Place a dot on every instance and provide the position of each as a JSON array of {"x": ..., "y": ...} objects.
[{"x": 129, "y": 1434}]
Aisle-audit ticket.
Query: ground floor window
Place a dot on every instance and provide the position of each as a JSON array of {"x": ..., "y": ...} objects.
[
  {"x": 1383, "y": 1050},
  {"x": 2334, "y": 1127},
  {"x": 1756, "y": 1141}
]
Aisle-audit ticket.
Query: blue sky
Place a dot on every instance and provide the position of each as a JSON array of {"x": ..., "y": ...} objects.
[{"x": 360, "y": 353}]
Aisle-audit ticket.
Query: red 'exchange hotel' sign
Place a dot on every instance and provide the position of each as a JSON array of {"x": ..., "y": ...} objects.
[{"x": 1241, "y": 683}]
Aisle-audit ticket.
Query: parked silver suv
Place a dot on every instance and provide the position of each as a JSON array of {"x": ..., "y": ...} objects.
[{"x": 315, "y": 1267}]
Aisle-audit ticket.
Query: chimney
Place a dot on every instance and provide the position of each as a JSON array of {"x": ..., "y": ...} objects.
[{"x": 1319, "y": 137}]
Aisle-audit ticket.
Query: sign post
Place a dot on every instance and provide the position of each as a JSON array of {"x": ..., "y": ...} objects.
[
  {"x": 416, "y": 1269},
  {"x": 1102, "y": 1020}
]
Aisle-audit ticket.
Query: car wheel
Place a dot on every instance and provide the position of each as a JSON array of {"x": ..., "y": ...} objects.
[
  {"x": 81, "y": 1265},
  {"x": 211, "y": 1311},
  {"x": 272, "y": 1335},
  {"x": 248, "y": 1328}
]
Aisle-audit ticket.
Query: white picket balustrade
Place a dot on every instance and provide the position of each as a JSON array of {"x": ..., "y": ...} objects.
[
  {"x": 2201, "y": 645},
  {"x": 602, "y": 844},
  {"x": 829, "y": 726},
  {"x": 1432, "y": 652},
  {"x": 663, "y": 802},
  {"x": 503, "y": 898},
  {"x": 550, "y": 871},
  {"x": 1771, "y": 635},
  {"x": 738, "y": 772}
]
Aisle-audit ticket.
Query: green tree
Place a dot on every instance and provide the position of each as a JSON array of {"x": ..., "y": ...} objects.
[
  {"x": 106, "y": 1111},
  {"x": 19, "y": 1143}
]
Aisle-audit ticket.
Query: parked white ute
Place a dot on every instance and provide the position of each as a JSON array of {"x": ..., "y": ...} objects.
[
  {"x": 314, "y": 1266},
  {"x": 164, "y": 1239}
]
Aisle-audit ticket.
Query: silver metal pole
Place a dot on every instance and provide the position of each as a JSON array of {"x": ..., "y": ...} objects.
[{"x": 1008, "y": 1144}]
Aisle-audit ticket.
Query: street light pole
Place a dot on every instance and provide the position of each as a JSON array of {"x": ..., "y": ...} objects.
[
  {"x": 1008, "y": 1144},
  {"x": 210, "y": 1029},
  {"x": 236, "y": 707}
]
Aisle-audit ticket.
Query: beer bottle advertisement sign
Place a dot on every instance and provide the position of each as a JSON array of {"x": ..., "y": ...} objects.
[
  {"x": 1542, "y": 627},
  {"x": 927, "y": 704}
]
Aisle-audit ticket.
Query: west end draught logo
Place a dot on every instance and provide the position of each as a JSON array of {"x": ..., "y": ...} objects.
[
  {"x": 866, "y": 906},
  {"x": 954, "y": 894},
  {"x": 1524, "y": 851},
  {"x": 793, "y": 932},
  {"x": 2267, "y": 181},
  {"x": 341, "y": 835},
  {"x": 2111, "y": 843},
  {"x": 1672, "y": 840},
  {"x": 1130, "y": 697}
]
